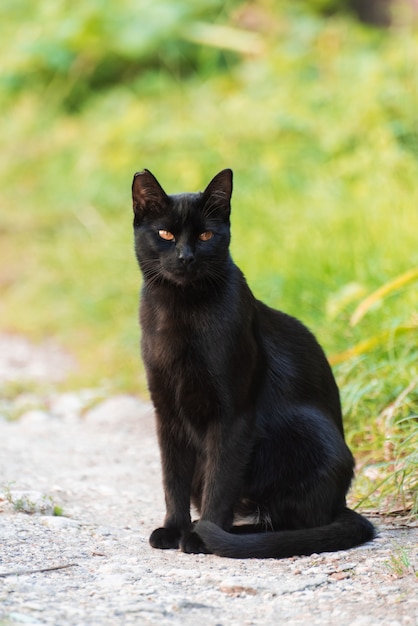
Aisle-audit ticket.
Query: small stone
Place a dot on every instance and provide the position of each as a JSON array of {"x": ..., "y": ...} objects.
[
  {"x": 31, "y": 502},
  {"x": 236, "y": 589},
  {"x": 347, "y": 566},
  {"x": 35, "y": 416},
  {"x": 59, "y": 521},
  {"x": 339, "y": 576},
  {"x": 24, "y": 619},
  {"x": 71, "y": 404}
]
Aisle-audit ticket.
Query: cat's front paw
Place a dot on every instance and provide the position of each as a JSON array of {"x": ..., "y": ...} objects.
[
  {"x": 193, "y": 544},
  {"x": 165, "y": 538}
]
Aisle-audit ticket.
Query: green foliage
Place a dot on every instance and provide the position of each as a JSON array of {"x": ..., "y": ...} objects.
[
  {"x": 78, "y": 48},
  {"x": 328, "y": 7},
  {"x": 32, "y": 502},
  {"x": 400, "y": 563},
  {"x": 316, "y": 117}
]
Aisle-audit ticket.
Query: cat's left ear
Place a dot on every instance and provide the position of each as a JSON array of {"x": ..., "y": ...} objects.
[
  {"x": 217, "y": 195},
  {"x": 147, "y": 193}
]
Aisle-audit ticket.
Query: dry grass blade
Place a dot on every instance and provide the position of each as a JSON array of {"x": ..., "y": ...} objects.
[
  {"x": 24, "y": 572},
  {"x": 389, "y": 411},
  {"x": 372, "y": 342},
  {"x": 384, "y": 290}
]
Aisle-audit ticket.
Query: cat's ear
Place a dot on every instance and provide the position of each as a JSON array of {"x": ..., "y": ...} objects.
[
  {"x": 217, "y": 195},
  {"x": 147, "y": 193}
]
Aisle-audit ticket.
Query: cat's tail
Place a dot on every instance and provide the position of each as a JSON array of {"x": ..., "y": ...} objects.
[{"x": 349, "y": 529}]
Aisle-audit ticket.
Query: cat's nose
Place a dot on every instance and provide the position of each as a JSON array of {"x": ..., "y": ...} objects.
[{"x": 186, "y": 256}]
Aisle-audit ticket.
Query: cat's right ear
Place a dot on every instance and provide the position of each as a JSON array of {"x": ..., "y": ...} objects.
[
  {"x": 217, "y": 195},
  {"x": 147, "y": 193}
]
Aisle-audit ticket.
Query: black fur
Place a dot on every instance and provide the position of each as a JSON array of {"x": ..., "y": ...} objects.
[{"x": 248, "y": 411}]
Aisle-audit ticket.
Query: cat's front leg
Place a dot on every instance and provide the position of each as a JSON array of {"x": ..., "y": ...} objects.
[
  {"x": 178, "y": 462},
  {"x": 165, "y": 538},
  {"x": 229, "y": 451}
]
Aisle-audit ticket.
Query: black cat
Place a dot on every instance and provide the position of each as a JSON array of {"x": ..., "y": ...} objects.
[{"x": 248, "y": 411}]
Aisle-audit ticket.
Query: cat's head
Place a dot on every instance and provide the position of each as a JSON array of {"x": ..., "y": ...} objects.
[{"x": 184, "y": 238}]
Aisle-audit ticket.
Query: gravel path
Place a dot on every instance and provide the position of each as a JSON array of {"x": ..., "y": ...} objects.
[{"x": 99, "y": 467}]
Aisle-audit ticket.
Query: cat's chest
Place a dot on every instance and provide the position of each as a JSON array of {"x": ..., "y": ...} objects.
[{"x": 182, "y": 338}]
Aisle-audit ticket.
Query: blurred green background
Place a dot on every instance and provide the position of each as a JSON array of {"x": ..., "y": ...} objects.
[{"x": 312, "y": 103}]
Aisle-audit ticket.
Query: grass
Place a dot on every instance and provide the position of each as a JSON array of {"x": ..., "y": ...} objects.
[
  {"x": 400, "y": 564},
  {"x": 318, "y": 122},
  {"x": 32, "y": 502}
]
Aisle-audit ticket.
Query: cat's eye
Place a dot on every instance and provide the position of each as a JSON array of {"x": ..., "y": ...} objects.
[
  {"x": 208, "y": 234},
  {"x": 166, "y": 235}
]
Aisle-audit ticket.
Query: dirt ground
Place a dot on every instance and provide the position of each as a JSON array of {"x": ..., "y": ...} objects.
[{"x": 80, "y": 492}]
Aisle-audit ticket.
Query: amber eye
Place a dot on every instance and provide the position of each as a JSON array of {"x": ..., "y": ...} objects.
[
  {"x": 206, "y": 235},
  {"x": 166, "y": 235}
]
